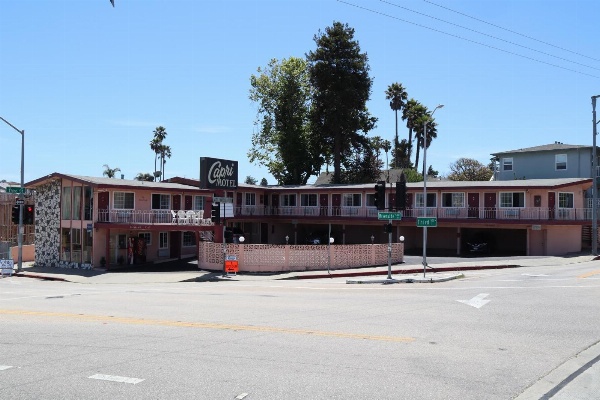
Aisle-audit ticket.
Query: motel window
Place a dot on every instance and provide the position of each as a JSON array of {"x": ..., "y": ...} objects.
[
  {"x": 65, "y": 203},
  {"x": 77, "y": 202},
  {"x": 453, "y": 199},
  {"x": 288, "y": 200},
  {"x": 507, "y": 164},
  {"x": 250, "y": 199},
  {"x": 560, "y": 161},
  {"x": 146, "y": 237},
  {"x": 351, "y": 199},
  {"x": 565, "y": 200},
  {"x": 431, "y": 200},
  {"x": 189, "y": 239},
  {"x": 123, "y": 201},
  {"x": 512, "y": 199},
  {"x": 88, "y": 203},
  {"x": 308, "y": 200},
  {"x": 161, "y": 201},
  {"x": 198, "y": 203},
  {"x": 370, "y": 200},
  {"x": 163, "y": 240}
]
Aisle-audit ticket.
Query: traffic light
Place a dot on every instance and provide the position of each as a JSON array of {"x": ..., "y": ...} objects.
[
  {"x": 28, "y": 215},
  {"x": 401, "y": 193},
  {"x": 15, "y": 214},
  {"x": 215, "y": 213},
  {"x": 380, "y": 195},
  {"x": 387, "y": 228}
]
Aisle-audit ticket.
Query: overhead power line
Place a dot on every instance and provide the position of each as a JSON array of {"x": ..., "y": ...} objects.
[
  {"x": 488, "y": 35},
  {"x": 509, "y": 30},
  {"x": 467, "y": 40}
]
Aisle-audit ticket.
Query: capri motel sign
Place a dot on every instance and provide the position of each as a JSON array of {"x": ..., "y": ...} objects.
[{"x": 218, "y": 174}]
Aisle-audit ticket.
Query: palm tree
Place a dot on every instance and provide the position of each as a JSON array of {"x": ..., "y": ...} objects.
[
  {"x": 165, "y": 152},
  {"x": 411, "y": 112},
  {"x": 397, "y": 96},
  {"x": 419, "y": 133},
  {"x": 160, "y": 134},
  {"x": 110, "y": 172},
  {"x": 144, "y": 177},
  {"x": 386, "y": 146}
]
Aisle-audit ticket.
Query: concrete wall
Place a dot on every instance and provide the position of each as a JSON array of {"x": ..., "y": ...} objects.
[{"x": 28, "y": 253}]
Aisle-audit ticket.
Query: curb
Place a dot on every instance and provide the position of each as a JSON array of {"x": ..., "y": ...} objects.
[
  {"x": 42, "y": 277},
  {"x": 407, "y": 280}
]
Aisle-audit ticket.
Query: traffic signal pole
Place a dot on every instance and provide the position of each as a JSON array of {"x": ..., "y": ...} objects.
[{"x": 21, "y": 198}]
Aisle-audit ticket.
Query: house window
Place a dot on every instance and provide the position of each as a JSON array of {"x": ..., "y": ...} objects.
[
  {"x": 453, "y": 199},
  {"x": 123, "y": 201},
  {"x": 431, "y": 200},
  {"x": 146, "y": 237},
  {"x": 161, "y": 202},
  {"x": 560, "y": 161},
  {"x": 351, "y": 199},
  {"x": 507, "y": 164},
  {"x": 288, "y": 200},
  {"x": 565, "y": 200},
  {"x": 189, "y": 239},
  {"x": 163, "y": 240},
  {"x": 250, "y": 199},
  {"x": 198, "y": 202},
  {"x": 308, "y": 200},
  {"x": 512, "y": 199}
]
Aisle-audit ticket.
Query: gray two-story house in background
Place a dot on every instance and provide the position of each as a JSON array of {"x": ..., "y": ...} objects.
[{"x": 550, "y": 161}]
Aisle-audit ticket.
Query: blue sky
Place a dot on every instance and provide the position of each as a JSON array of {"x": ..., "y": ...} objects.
[{"x": 89, "y": 83}]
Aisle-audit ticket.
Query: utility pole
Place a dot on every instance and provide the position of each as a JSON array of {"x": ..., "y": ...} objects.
[{"x": 595, "y": 184}]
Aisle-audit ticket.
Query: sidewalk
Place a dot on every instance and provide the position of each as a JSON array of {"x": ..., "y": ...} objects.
[{"x": 440, "y": 269}]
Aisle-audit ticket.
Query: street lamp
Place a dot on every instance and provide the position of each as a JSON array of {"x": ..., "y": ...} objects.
[
  {"x": 287, "y": 239},
  {"x": 241, "y": 239},
  {"x": 425, "y": 185},
  {"x": 595, "y": 184},
  {"x": 329, "y": 254},
  {"x": 372, "y": 239},
  {"x": 21, "y": 199}
]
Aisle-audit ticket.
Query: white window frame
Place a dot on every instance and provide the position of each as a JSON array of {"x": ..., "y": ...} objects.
[
  {"x": 351, "y": 200},
  {"x": 560, "y": 162},
  {"x": 147, "y": 236},
  {"x": 163, "y": 240},
  {"x": 457, "y": 200},
  {"x": 507, "y": 164},
  {"x": 306, "y": 200},
  {"x": 419, "y": 199},
  {"x": 562, "y": 196},
  {"x": 121, "y": 204},
  {"x": 164, "y": 201},
  {"x": 188, "y": 235},
  {"x": 504, "y": 196},
  {"x": 286, "y": 200},
  {"x": 199, "y": 202},
  {"x": 249, "y": 199}
]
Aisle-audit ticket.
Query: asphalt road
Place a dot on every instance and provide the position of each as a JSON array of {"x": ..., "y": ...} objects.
[{"x": 488, "y": 336}]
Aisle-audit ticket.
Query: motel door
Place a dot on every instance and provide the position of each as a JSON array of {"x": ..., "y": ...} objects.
[
  {"x": 489, "y": 205},
  {"x": 551, "y": 204},
  {"x": 176, "y": 202},
  {"x": 323, "y": 203},
  {"x": 473, "y": 203},
  {"x": 336, "y": 203},
  {"x": 103, "y": 201}
]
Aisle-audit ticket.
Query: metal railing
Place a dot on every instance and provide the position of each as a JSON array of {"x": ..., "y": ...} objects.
[{"x": 448, "y": 213}]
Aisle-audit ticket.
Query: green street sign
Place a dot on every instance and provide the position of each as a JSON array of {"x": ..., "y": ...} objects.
[
  {"x": 12, "y": 189},
  {"x": 429, "y": 222},
  {"x": 389, "y": 215}
]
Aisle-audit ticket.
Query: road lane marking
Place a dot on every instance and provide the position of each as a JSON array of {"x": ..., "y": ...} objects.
[
  {"x": 477, "y": 301},
  {"x": 206, "y": 325},
  {"x": 114, "y": 378},
  {"x": 4, "y": 367},
  {"x": 241, "y": 396},
  {"x": 583, "y": 276}
]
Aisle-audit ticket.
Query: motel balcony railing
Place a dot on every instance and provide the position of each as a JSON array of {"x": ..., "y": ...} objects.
[{"x": 447, "y": 213}]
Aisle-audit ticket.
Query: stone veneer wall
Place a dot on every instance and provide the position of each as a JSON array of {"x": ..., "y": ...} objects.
[{"x": 47, "y": 223}]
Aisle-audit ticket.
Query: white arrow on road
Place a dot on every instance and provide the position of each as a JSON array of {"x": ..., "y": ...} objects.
[{"x": 477, "y": 301}]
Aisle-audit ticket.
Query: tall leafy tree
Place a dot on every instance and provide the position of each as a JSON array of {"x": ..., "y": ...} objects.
[
  {"x": 397, "y": 96},
  {"x": 468, "y": 169},
  {"x": 363, "y": 167},
  {"x": 339, "y": 74},
  {"x": 283, "y": 142},
  {"x": 110, "y": 172},
  {"x": 250, "y": 180}
]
